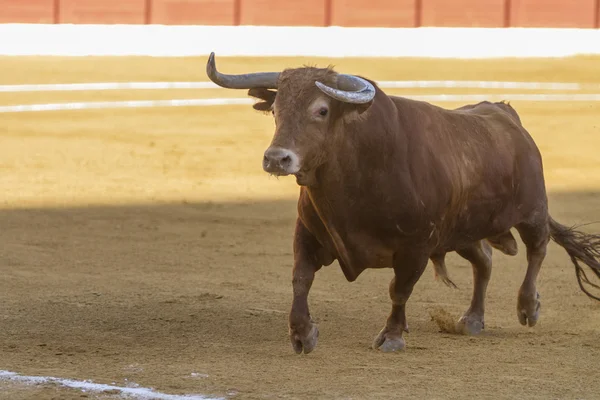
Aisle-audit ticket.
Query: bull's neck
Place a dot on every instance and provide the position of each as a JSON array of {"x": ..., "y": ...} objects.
[
  {"x": 367, "y": 149},
  {"x": 373, "y": 141},
  {"x": 368, "y": 170}
]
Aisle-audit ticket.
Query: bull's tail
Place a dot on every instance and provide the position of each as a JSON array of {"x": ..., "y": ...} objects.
[{"x": 582, "y": 248}]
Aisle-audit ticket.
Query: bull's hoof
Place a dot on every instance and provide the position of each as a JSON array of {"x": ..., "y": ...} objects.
[
  {"x": 388, "y": 343},
  {"x": 470, "y": 324},
  {"x": 528, "y": 310},
  {"x": 305, "y": 343},
  {"x": 392, "y": 345}
]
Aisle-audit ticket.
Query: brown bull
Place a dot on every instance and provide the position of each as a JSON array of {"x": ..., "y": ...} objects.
[{"x": 389, "y": 182}]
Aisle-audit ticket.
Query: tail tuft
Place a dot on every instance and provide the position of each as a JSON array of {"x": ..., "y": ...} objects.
[{"x": 581, "y": 247}]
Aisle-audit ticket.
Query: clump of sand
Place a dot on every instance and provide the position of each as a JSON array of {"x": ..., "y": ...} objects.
[{"x": 444, "y": 320}]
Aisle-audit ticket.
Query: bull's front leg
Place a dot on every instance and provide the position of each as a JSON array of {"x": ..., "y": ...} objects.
[
  {"x": 407, "y": 271},
  {"x": 308, "y": 259}
]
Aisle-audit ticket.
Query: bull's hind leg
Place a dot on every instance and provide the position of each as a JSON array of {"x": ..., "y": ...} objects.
[
  {"x": 407, "y": 271},
  {"x": 504, "y": 242},
  {"x": 480, "y": 257},
  {"x": 535, "y": 236}
]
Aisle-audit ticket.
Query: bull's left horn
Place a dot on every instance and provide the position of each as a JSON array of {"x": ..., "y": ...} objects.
[
  {"x": 266, "y": 80},
  {"x": 352, "y": 89}
]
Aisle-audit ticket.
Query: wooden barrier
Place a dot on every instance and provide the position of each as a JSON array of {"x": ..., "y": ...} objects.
[
  {"x": 102, "y": 12},
  {"x": 27, "y": 11},
  {"x": 283, "y": 13},
  {"x": 350, "y": 13},
  {"x": 463, "y": 13},
  {"x": 376, "y": 13},
  {"x": 554, "y": 13},
  {"x": 193, "y": 12}
]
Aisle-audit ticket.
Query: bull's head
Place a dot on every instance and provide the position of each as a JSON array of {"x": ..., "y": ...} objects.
[{"x": 307, "y": 105}]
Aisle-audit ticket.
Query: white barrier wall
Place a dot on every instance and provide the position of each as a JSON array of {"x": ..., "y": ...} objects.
[{"x": 162, "y": 40}]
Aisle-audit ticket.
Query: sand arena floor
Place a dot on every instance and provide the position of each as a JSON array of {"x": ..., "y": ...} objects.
[{"x": 148, "y": 246}]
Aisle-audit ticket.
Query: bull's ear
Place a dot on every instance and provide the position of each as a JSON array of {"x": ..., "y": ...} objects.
[{"x": 264, "y": 94}]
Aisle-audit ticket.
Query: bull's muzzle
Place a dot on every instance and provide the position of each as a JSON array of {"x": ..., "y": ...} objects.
[{"x": 278, "y": 161}]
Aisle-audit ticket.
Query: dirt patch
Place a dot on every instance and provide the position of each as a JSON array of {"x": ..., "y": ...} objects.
[
  {"x": 148, "y": 247},
  {"x": 444, "y": 320}
]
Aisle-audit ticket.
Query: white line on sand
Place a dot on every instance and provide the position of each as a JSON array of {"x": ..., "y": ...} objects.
[
  {"x": 488, "y": 85},
  {"x": 56, "y": 87},
  {"x": 72, "y": 87},
  {"x": 123, "y": 104},
  {"x": 507, "y": 97},
  {"x": 246, "y": 101},
  {"x": 88, "y": 386}
]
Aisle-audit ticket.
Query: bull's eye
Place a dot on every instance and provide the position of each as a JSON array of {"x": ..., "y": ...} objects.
[{"x": 323, "y": 111}]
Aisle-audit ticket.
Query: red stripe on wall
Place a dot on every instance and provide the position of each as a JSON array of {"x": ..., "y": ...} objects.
[
  {"x": 56, "y": 12},
  {"x": 237, "y": 12},
  {"x": 507, "y": 6},
  {"x": 418, "y": 13},
  {"x": 327, "y": 21},
  {"x": 148, "y": 12}
]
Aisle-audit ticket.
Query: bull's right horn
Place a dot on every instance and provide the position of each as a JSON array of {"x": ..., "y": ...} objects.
[
  {"x": 266, "y": 80},
  {"x": 352, "y": 89}
]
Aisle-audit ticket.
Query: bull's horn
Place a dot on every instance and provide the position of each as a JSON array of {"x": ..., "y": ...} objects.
[
  {"x": 266, "y": 80},
  {"x": 352, "y": 89}
]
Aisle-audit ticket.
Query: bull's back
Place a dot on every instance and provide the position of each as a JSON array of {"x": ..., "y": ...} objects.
[{"x": 481, "y": 168}]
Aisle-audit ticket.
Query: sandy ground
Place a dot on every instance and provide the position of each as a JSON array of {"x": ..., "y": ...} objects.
[{"x": 148, "y": 246}]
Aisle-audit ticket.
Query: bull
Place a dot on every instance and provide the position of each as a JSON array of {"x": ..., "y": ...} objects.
[{"x": 391, "y": 182}]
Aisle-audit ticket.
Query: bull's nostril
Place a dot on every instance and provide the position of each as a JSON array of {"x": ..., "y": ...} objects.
[{"x": 286, "y": 160}]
